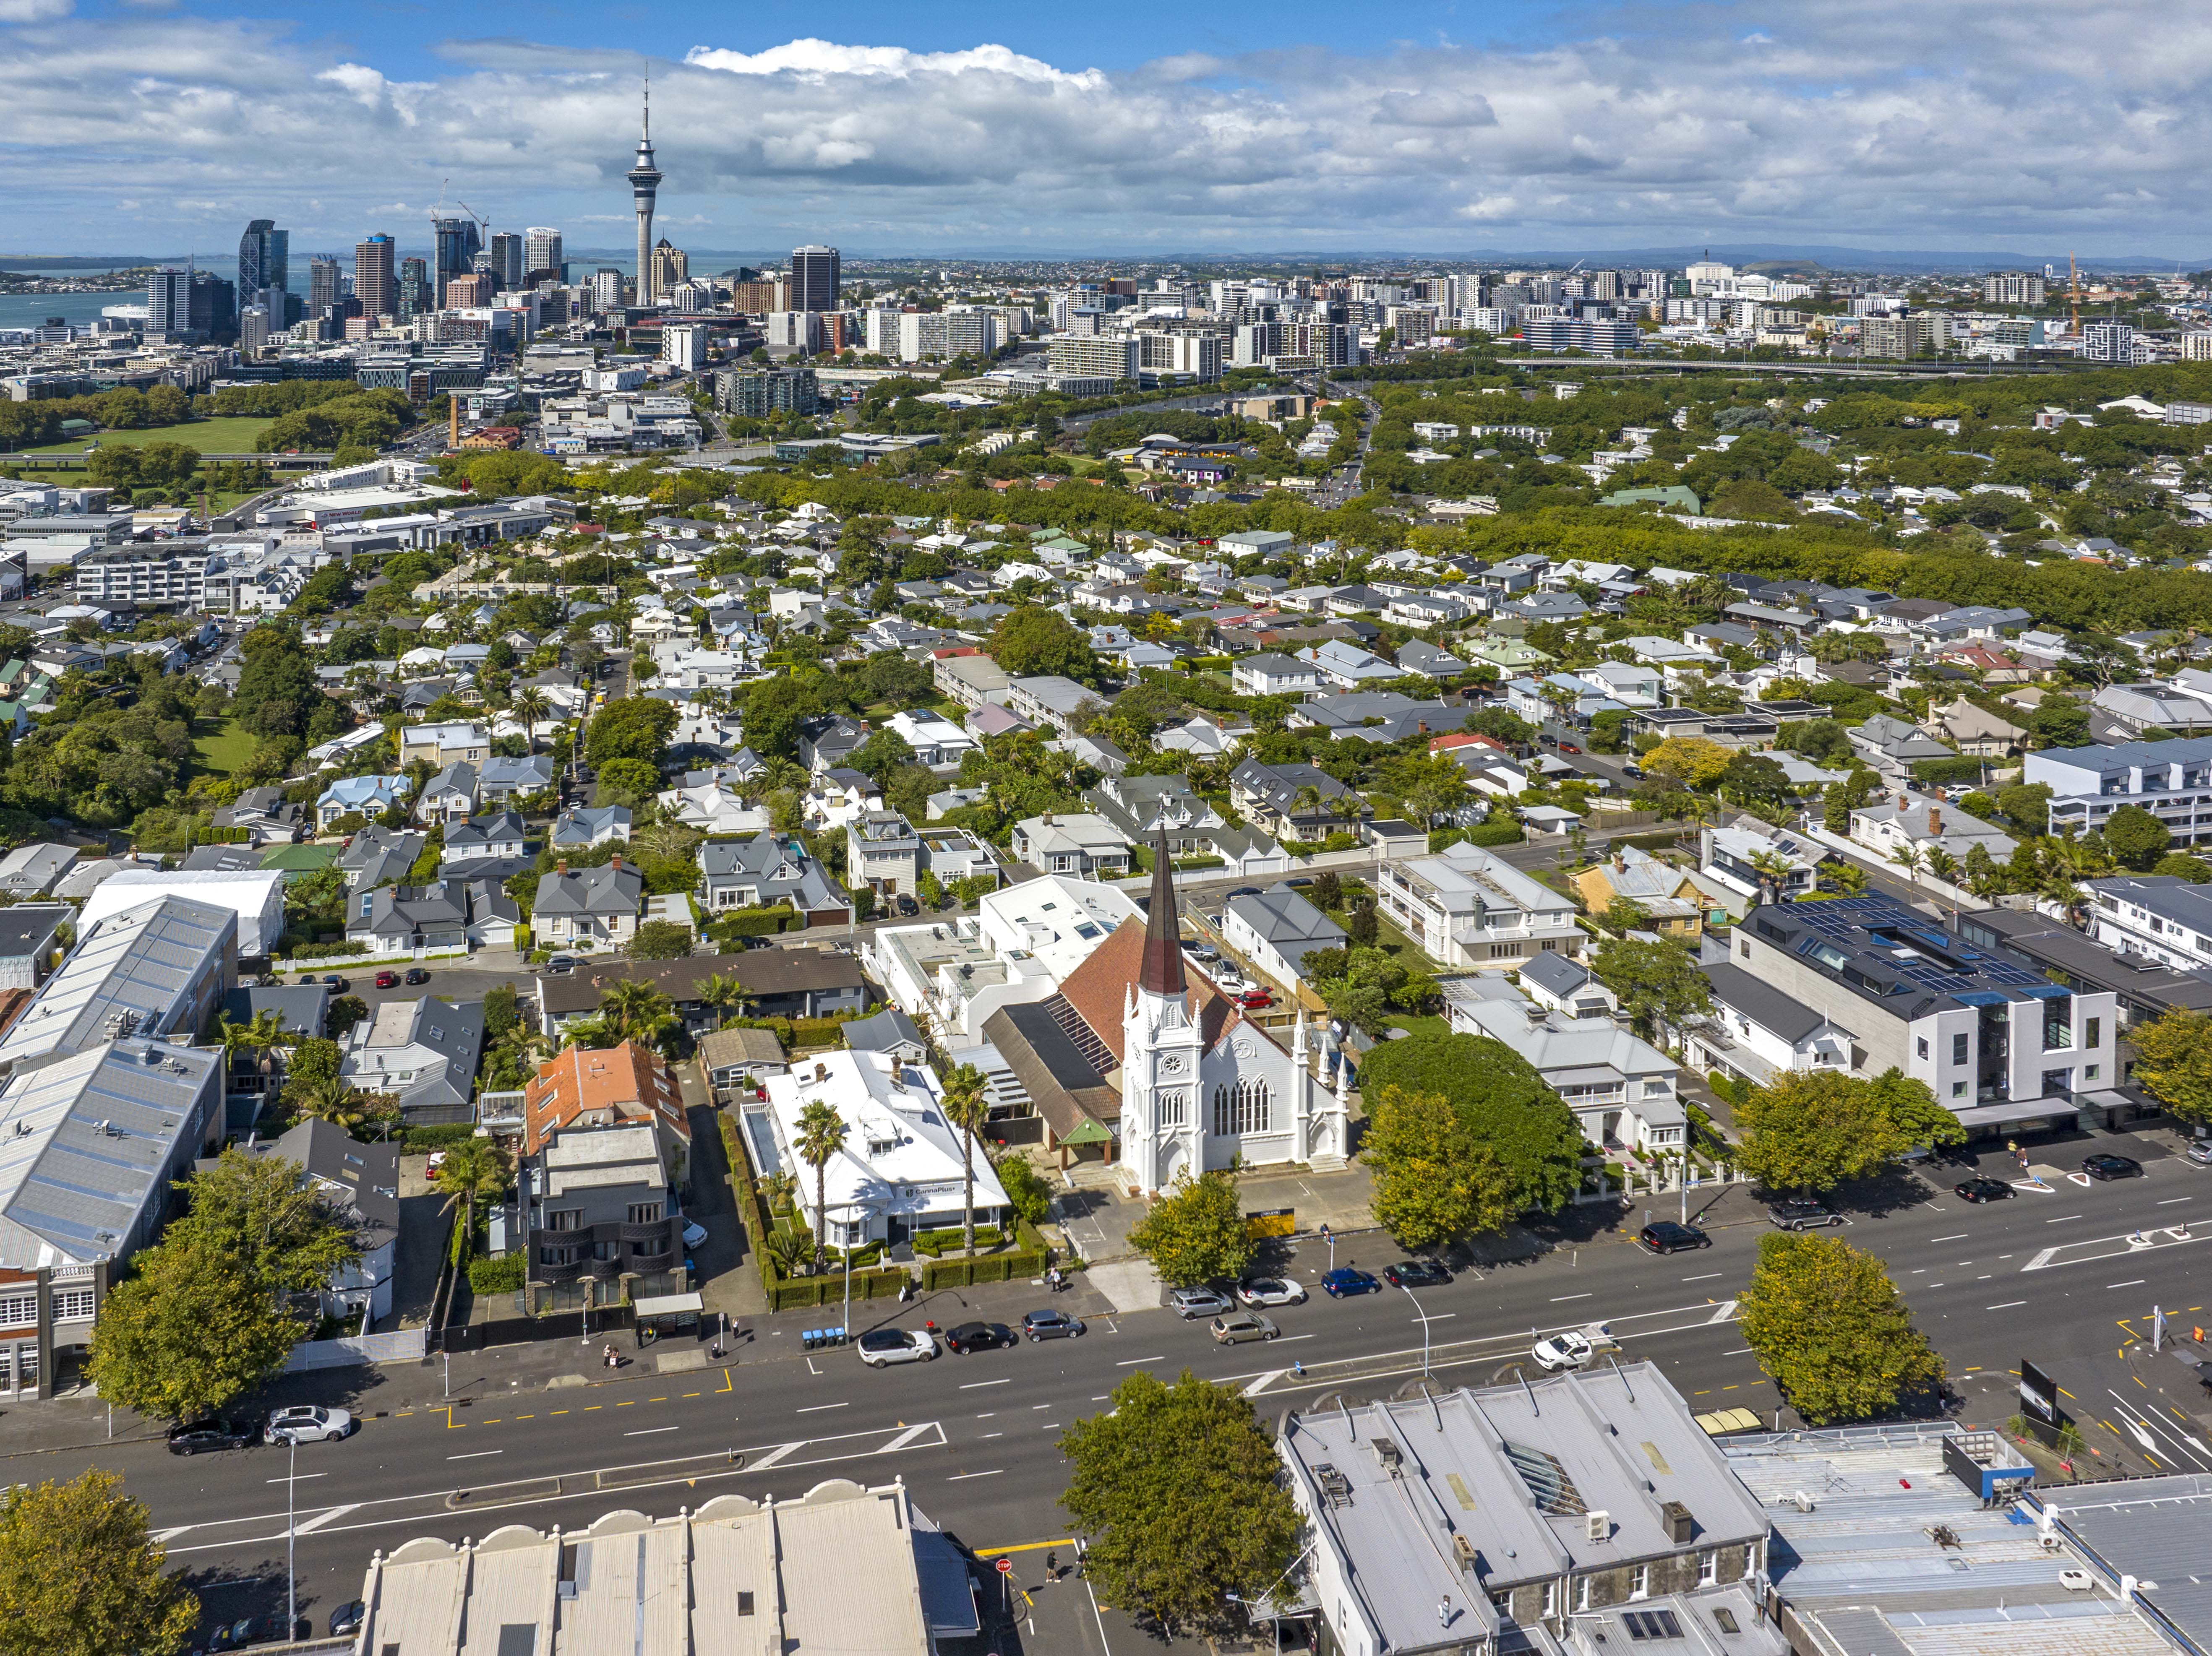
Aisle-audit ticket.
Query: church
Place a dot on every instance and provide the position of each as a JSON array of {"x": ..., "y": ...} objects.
[{"x": 1140, "y": 1055}]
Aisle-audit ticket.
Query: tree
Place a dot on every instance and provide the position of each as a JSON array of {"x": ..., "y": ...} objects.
[
  {"x": 277, "y": 686},
  {"x": 631, "y": 780},
  {"x": 1812, "y": 1130},
  {"x": 1752, "y": 778},
  {"x": 1829, "y": 1329},
  {"x": 1655, "y": 982},
  {"x": 821, "y": 1134},
  {"x": 1361, "y": 922},
  {"x": 1177, "y": 1491},
  {"x": 2135, "y": 837},
  {"x": 2181, "y": 865},
  {"x": 531, "y": 709},
  {"x": 660, "y": 940},
  {"x": 258, "y": 1211},
  {"x": 1031, "y": 642},
  {"x": 1196, "y": 1231},
  {"x": 631, "y": 1010},
  {"x": 1504, "y": 1102},
  {"x": 775, "y": 709},
  {"x": 2028, "y": 806},
  {"x": 80, "y": 1575},
  {"x": 2173, "y": 1061},
  {"x": 476, "y": 1173},
  {"x": 967, "y": 1107},
  {"x": 187, "y": 1334},
  {"x": 721, "y": 993},
  {"x": 1434, "y": 1183},
  {"x": 632, "y": 727},
  {"x": 1692, "y": 759}
]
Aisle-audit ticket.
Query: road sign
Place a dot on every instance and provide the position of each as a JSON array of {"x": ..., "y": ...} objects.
[{"x": 1006, "y": 1567}]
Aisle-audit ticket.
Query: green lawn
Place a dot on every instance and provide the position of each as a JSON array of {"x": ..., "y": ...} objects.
[
  {"x": 1420, "y": 1026},
  {"x": 239, "y": 435},
  {"x": 225, "y": 750}
]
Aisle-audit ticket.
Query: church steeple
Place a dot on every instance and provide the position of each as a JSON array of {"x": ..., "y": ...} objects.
[{"x": 1162, "y": 972}]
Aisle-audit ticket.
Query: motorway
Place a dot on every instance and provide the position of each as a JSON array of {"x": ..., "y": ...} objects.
[{"x": 2046, "y": 1276}]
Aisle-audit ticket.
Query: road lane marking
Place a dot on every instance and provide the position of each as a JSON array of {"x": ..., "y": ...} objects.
[
  {"x": 906, "y": 1437},
  {"x": 2133, "y": 1281},
  {"x": 1707, "y": 1277},
  {"x": 323, "y": 1518},
  {"x": 776, "y": 1455},
  {"x": 1434, "y": 1317},
  {"x": 977, "y": 1385},
  {"x": 957, "y": 1476},
  {"x": 647, "y": 1431},
  {"x": 1961, "y": 1237},
  {"x": 1261, "y": 1384},
  {"x": 478, "y": 1455},
  {"x": 2007, "y": 1306},
  {"x": 988, "y": 1436},
  {"x": 1131, "y": 1362},
  {"x": 301, "y": 1478},
  {"x": 161, "y": 1536},
  {"x": 2171, "y": 1200},
  {"x": 2062, "y": 1219},
  {"x": 816, "y": 1408},
  {"x": 1561, "y": 1299},
  {"x": 1740, "y": 1352}
]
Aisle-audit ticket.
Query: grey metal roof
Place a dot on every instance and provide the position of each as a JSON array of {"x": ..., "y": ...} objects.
[
  {"x": 1286, "y": 919},
  {"x": 886, "y": 1029},
  {"x": 135, "y": 972},
  {"x": 612, "y": 888},
  {"x": 28, "y": 928},
  {"x": 301, "y": 1006},
  {"x": 1761, "y": 1002},
  {"x": 1556, "y": 974},
  {"x": 2158, "y": 1530}
]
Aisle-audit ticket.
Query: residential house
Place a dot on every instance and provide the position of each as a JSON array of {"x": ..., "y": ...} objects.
[
  {"x": 360, "y": 1184},
  {"x": 1620, "y": 1088},
  {"x": 1347, "y": 667},
  {"x": 1429, "y": 660},
  {"x": 481, "y": 838},
  {"x": 600, "y": 1203},
  {"x": 266, "y": 817},
  {"x": 768, "y": 870},
  {"x": 444, "y": 744},
  {"x": 971, "y": 678},
  {"x": 358, "y": 795},
  {"x": 827, "y": 743},
  {"x": 1077, "y": 844},
  {"x": 838, "y": 796},
  {"x": 1380, "y": 716},
  {"x": 582, "y": 826},
  {"x": 737, "y": 1060},
  {"x": 1755, "y": 1032},
  {"x": 2152, "y": 917},
  {"x": 583, "y": 1088},
  {"x": 1673, "y": 905},
  {"x": 1467, "y": 908},
  {"x": 1568, "y": 987},
  {"x": 1276, "y": 930},
  {"x": 1977, "y": 731},
  {"x": 501, "y": 780},
  {"x": 1270, "y": 673},
  {"x": 1052, "y": 701},
  {"x": 714, "y": 808},
  {"x": 30, "y": 942},
  {"x": 1141, "y": 807},
  {"x": 1924, "y": 824},
  {"x": 1295, "y": 802},
  {"x": 450, "y": 795},
  {"x": 421, "y": 1053},
  {"x": 938, "y": 744},
  {"x": 881, "y": 849},
  {"x": 793, "y": 983},
  {"x": 29, "y": 872},
  {"x": 379, "y": 856},
  {"x": 1726, "y": 856},
  {"x": 592, "y": 907},
  {"x": 2139, "y": 707},
  {"x": 1892, "y": 746},
  {"x": 952, "y": 854},
  {"x": 401, "y": 920}
]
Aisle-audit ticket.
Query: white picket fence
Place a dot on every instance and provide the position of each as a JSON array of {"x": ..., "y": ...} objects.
[{"x": 400, "y": 1345}]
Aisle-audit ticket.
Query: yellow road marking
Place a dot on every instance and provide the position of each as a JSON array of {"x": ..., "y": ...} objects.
[
  {"x": 560, "y": 1411},
  {"x": 526, "y": 1418},
  {"x": 691, "y": 1394},
  {"x": 589, "y": 1407},
  {"x": 452, "y": 1425},
  {"x": 630, "y": 1403},
  {"x": 1025, "y": 1546},
  {"x": 726, "y": 1380}
]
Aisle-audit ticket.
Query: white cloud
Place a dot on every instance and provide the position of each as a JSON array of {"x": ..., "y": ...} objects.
[{"x": 1675, "y": 124}]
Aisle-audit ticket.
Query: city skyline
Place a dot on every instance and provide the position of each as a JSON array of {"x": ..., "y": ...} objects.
[{"x": 986, "y": 133}]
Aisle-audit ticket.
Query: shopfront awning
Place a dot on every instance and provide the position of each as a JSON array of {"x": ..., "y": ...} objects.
[
  {"x": 667, "y": 1305},
  {"x": 2011, "y": 1111}
]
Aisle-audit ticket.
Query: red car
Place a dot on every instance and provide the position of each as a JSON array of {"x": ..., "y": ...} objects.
[
  {"x": 387, "y": 980},
  {"x": 1253, "y": 999}
]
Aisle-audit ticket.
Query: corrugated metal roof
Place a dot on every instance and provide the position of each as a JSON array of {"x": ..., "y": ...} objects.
[{"x": 135, "y": 972}]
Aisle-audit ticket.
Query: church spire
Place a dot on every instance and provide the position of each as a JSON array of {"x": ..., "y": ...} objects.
[{"x": 1162, "y": 973}]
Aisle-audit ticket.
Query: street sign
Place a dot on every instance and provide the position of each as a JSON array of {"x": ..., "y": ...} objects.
[{"x": 1006, "y": 1567}]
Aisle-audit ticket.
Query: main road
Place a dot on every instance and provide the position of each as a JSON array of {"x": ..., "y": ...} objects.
[{"x": 2043, "y": 1276}]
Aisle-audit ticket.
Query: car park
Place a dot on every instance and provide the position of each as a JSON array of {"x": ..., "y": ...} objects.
[
  {"x": 1416, "y": 1273},
  {"x": 201, "y": 1436},
  {"x": 2108, "y": 1166},
  {"x": 1802, "y": 1216},
  {"x": 882, "y": 1346},
  {"x": 1269, "y": 1290},
  {"x": 1344, "y": 1281},
  {"x": 1982, "y": 1190},
  {"x": 980, "y": 1336},
  {"x": 1666, "y": 1237},
  {"x": 1051, "y": 1325},
  {"x": 307, "y": 1423},
  {"x": 1241, "y": 1327},
  {"x": 1191, "y": 1303}
]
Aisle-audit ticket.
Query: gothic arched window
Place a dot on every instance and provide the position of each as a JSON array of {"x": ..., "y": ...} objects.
[{"x": 1244, "y": 1109}]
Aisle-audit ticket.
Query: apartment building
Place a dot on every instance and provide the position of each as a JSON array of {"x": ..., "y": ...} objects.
[
  {"x": 1050, "y": 700},
  {"x": 883, "y": 851},
  {"x": 1468, "y": 908},
  {"x": 1108, "y": 356},
  {"x": 2172, "y": 780},
  {"x": 2150, "y": 917},
  {"x": 971, "y": 680}
]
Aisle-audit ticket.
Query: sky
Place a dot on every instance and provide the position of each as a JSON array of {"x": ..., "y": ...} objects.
[{"x": 160, "y": 126}]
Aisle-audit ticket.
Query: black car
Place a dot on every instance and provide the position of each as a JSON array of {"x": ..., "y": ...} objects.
[
  {"x": 1982, "y": 1190},
  {"x": 1666, "y": 1236},
  {"x": 980, "y": 1336},
  {"x": 908, "y": 907},
  {"x": 1051, "y": 1325},
  {"x": 235, "y": 1635},
  {"x": 345, "y": 1620},
  {"x": 1415, "y": 1273},
  {"x": 338, "y": 985},
  {"x": 2110, "y": 1167},
  {"x": 1245, "y": 891},
  {"x": 1802, "y": 1216},
  {"x": 416, "y": 974},
  {"x": 203, "y": 1435}
]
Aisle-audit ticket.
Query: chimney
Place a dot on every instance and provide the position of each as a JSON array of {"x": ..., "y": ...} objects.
[
  {"x": 1680, "y": 1527},
  {"x": 561, "y": 867},
  {"x": 1905, "y": 802},
  {"x": 1935, "y": 819},
  {"x": 614, "y": 863}
]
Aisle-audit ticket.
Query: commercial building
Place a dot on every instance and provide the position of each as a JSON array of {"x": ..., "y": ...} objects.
[
  {"x": 255, "y": 896},
  {"x": 156, "y": 968},
  {"x": 733, "y": 1577},
  {"x": 264, "y": 260},
  {"x": 1592, "y": 336},
  {"x": 683, "y": 344},
  {"x": 2011, "y": 288},
  {"x": 541, "y": 254},
  {"x": 374, "y": 285},
  {"x": 817, "y": 276}
]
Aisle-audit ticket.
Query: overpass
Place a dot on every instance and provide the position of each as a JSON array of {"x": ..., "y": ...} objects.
[{"x": 286, "y": 462}]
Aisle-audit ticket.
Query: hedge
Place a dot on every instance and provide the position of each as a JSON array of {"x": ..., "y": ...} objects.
[
  {"x": 753, "y": 922},
  {"x": 442, "y": 1136},
  {"x": 502, "y": 1275},
  {"x": 798, "y": 1032},
  {"x": 1499, "y": 830},
  {"x": 935, "y": 1242},
  {"x": 325, "y": 951},
  {"x": 1940, "y": 772}
]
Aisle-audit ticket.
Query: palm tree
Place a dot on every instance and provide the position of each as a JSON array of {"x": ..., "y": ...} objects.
[
  {"x": 1847, "y": 877},
  {"x": 786, "y": 1250},
  {"x": 532, "y": 707},
  {"x": 777, "y": 1189},
  {"x": 264, "y": 1031},
  {"x": 968, "y": 1108},
  {"x": 1907, "y": 857},
  {"x": 1942, "y": 864},
  {"x": 631, "y": 1010},
  {"x": 335, "y": 1100},
  {"x": 821, "y": 1136},
  {"x": 1774, "y": 869},
  {"x": 721, "y": 993},
  {"x": 475, "y": 1170}
]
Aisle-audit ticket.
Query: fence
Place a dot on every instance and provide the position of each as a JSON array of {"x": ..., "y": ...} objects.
[{"x": 400, "y": 1345}]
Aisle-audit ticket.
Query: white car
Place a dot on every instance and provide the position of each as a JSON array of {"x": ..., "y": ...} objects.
[
  {"x": 305, "y": 1424},
  {"x": 879, "y": 1346},
  {"x": 1572, "y": 1350},
  {"x": 1256, "y": 1291},
  {"x": 695, "y": 1234}
]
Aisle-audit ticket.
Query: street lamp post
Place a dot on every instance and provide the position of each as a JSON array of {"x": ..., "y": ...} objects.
[
  {"x": 1421, "y": 1317},
  {"x": 291, "y": 1575}
]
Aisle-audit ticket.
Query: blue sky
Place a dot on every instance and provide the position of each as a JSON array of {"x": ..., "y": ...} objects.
[{"x": 154, "y": 125}]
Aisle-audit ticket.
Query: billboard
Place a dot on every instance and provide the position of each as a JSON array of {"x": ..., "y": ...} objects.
[{"x": 2038, "y": 1395}]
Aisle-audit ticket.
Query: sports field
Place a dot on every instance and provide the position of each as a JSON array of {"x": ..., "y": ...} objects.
[{"x": 234, "y": 435}]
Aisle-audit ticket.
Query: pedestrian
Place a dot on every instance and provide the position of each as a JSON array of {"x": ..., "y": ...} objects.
[
  {"x": 1052, "y": 1566},
  {"x": 1297, "y": 1368}
]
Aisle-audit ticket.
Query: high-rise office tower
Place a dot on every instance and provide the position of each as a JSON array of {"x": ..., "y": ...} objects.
[
  {"x": 672, "y": 269},
  {"x": 373, "y": 279},
  {"x": 645, "y": 188},
  {"x": 456, "y": 244},
  {"x": 168, "y": 301},
  {"x": 415, "y": 297},
  {"x": 815, "y": 274},
  {"x": 265, "y": 254},
  {"x": 541, "y": 252},
  {"x": 325, "y": 285},
  {"x": 214, "y": 307},
  {"x": 507, "y": 252}
]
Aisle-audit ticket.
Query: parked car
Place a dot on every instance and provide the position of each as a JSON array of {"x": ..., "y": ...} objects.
[
  {"x": 1343, "y": 1280},
  {"x": 1572, "y": 1349},
  {"x": 338, "y": 985},
  {"x": 1802, "y": 1216},
  {"x": 907, "y": 906},
  {"x": 1243, "y": 1326},
  {"x": 2200, "y": 1152},
  {"x": 1200, "y": 953},
  {"x": 235, "y": 1635},
  {"x": 1245, "y": 891},
  {"x": 981, "y": 1337},
  {"x": 1253, "y": 999},
  {"x": 346, "y": 1619},
  {"x": 1416, "y": 1273},
  {"x": 203, "y": 1435},
  {"x": 1666, "y": 1236},
  {"x": 879, "y": 1346},
  {"x": 387, "y": 980},
  {"x": 1051, "y": 1325},
  {"x": 307, "y": 1423},
  {"x": 1190, "y": 1303},
  {"x": 1269, "y": 1290},
  {"x": 1982, "y": 1190},
  {"x": 2108, "y": 1166},
  {"x": 417, "y": 975},
  {"x": 559, "y": 966},
  {"x": 695, "y": 1234},
  {"x": 1629, "y": 767},
  {"x": 437, "y": 1161}
]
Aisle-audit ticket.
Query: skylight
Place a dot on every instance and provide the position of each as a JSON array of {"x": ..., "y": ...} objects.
[{"x": 1549, "y": 1485}]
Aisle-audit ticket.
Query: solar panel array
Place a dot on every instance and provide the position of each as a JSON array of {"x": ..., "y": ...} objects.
[{"x": 1849, "y": 921}]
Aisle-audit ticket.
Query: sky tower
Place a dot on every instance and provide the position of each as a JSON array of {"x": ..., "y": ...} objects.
[{"x": 644, "y": 184}]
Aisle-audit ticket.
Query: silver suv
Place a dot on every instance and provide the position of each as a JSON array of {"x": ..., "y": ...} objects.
[{"x": 1192, "y": 1303}]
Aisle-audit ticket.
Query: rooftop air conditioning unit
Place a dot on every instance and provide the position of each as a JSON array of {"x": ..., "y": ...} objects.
[{"x": 1601, "y": 1526}]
